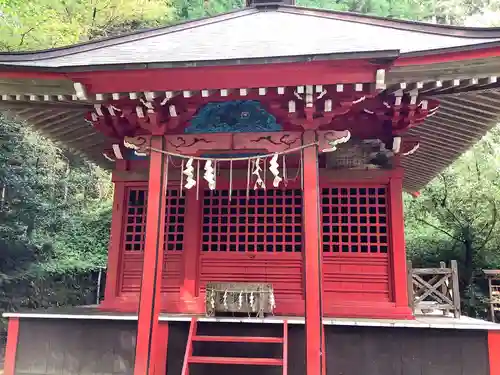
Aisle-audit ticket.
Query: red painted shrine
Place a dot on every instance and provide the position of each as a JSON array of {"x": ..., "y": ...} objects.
[{"x": 258, "y": 180}]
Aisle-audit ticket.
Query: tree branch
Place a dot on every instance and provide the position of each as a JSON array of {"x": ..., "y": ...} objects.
[
  {"x": 444, "y": 204},
  {"x": 23, "y": 35},
  {"x": 492, "y": 226},
  {"x": 439, "y": 229}
]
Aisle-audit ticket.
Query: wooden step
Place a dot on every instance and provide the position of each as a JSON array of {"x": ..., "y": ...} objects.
[
  {"x": 247, "y": 339},
  {"x": 237, "y": 361}
]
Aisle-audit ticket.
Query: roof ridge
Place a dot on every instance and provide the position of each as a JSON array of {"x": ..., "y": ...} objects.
[
  {"x": 396, "y": 23},
  {"x": 124, "y": 38}
]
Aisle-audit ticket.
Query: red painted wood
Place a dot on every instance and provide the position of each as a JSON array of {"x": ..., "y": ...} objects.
[
  {"x": 441, "y": 57},
  {"x": 252, "y": 339},
  {"x": 11, "y": 348},
  {"x": 285, "y": 347},
  {"x": 191, "y": 256},
  {"x": 160, "y": 363},
  {"x": 312, "y": 258},
  {"x": 189, "y": 346},
  {"x": 133, "y": 240},
  {"x": 355, "y": 243},
  {"x": 115, "y": 243},
  {"x": 271, "y": 142},
  {"x": 154, "y": 243},
  {"x": 283, "y": 270},
  {"x": 493, "y": 351},
  {"x": 398, "y": 252},
  {"x": 238, "y": 361},
  {"x": 235, "y": 76}
]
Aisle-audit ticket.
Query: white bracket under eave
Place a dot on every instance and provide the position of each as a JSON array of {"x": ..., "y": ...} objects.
[
  {"x": 380, "y": 80},
  {"x": 117, "y": 151},
  {"x": 396, "y": 144},
  {"x": 80, "y": 91}
]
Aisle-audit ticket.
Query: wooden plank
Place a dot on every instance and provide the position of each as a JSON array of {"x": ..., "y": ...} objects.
[
  {"x": 409, "y": 272},
  {"x": 432, "y": 271},
  {"x": 455, "y": 288}
]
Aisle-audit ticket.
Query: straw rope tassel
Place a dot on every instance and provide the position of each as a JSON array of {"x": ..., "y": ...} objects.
[
  {"x": 188, "y": 171},
  {"x": 274, "y": 169}
]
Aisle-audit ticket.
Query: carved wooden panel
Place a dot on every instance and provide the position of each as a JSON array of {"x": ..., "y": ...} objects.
[
  {"x": 193, "y": 144},
  {"x": 272, "y": 142}
]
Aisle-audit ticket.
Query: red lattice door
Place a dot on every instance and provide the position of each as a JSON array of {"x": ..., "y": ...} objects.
[
  {"x": 355, "y": 244},
  {"x": 133, "y": 241},
  {"x": 258, "y": 239}
]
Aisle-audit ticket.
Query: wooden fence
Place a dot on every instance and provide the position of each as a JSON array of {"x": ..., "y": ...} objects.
[{"x": 431, "y": 289}]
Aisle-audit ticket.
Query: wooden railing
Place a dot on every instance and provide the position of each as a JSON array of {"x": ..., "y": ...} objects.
[
  {"x": 431, "y": 289},
  {"x": 493, "y": 277}
]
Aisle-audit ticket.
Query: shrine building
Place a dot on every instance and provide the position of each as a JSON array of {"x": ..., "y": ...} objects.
[{"x": 259, "y": 159}]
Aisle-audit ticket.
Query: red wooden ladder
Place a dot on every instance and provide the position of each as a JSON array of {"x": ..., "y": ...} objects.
[{"x": 193, "y": 337}]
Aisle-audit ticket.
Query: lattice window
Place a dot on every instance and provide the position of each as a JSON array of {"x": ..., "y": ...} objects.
[
  {"x": 355, "y": 219},
  {"x": 135, "y": 228},
  {"x": 174, "y": 220},
  {"x": 268, "y": 221}
]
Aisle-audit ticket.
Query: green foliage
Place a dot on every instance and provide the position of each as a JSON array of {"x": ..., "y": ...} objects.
[
  {"x": 457, "y": 216},
  {"x": 54, "y": 221},
  {"x": 37, "y": 24}
]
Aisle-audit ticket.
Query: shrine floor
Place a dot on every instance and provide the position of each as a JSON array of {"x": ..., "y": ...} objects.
[
  {"x": 86, "y": 340},
  {"x": 421, "y": 320}
]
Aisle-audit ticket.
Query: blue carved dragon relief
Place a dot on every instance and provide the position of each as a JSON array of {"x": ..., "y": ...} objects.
[{"x": 238, "y": 116}]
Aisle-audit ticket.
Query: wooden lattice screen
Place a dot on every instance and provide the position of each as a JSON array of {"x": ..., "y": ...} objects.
[
  {"x": 255, "y": 240},
  {"x": 354, "y": 220},
  {"x": 355, "y": 242},
  {"x": 134, "y": 237},
  {"x": 268, "y": 221}
]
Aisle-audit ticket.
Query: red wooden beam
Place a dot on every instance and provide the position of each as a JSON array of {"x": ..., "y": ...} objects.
[
  {"x": 115, "y": 239},
  {"x": 160, "y": 363},
  {"x": 312, "y": 258},
  {"x": 285, "y": 347},
  {"x": 397, "y": 241},
  {"x": 11, "y": 348},
  {"x": 235, "y": 76},
  {"x": 191, "y": 251},
  {"x": 189, "y": 346},
  {"x": 150, "y": 296},
  {"x": 238, "y": 361},
  {"x": 252, "y": 339},
  {"x": 443, "y": 57},
  {"x": 493, "y": 351}
]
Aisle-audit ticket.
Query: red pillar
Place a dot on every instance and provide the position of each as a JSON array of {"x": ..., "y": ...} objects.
[
  {"x": 191, "y": 252},
  {"x": 160, "y": 362},
  {"x": 398, "y": 253},
  {"x": 11, "y": 348},
  {"x": 115, "y": 240},
  {"x": 148, "y": 332},
  {"x": 312, "y": 258},
  {"x": 494, "y": 352}
]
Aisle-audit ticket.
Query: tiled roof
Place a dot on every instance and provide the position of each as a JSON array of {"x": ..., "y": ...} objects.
[{"x": 253, "y": 34}]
